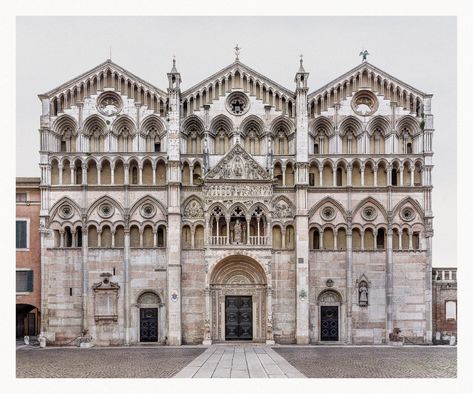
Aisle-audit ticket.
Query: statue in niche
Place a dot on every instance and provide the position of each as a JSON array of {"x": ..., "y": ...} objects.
[
  {"x": 238, "y": 167},
  {"x": 226, "y": 170},
  {"x": 363, "y": 294},
  {"x": 237, "y": 232}
]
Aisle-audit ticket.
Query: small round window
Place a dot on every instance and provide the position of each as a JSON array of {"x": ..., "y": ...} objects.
[
  {"x": 328, "y": 213},
  {"x": 66, "y": 211},
  {"x": 105, "y": 210},
  {"x": 369, "y": 213},
  {"x": 407, "y": 214},
  {"x": 148, "y": 210},
  {"x": 238, "y": 103}
]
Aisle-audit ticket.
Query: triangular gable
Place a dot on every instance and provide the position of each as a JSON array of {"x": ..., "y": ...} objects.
[
  {"x": 242, "y": 68},
  {"x": 237, "y": 165},
  {"x": 107, "y": 65},
  {"x": 366, "y": 66}
]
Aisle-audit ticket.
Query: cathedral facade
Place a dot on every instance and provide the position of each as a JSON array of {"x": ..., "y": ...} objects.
[{"x": 237, "y": 209}]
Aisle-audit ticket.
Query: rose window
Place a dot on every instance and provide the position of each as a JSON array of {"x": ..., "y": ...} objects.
[
  {"x": 369, "y": 213},
  {"x": 147, "y": 211},
  {"x": 237, "y": 103},
  {"x": 328, "y": 213},
  {"x": 66, "y": 211},
  {"x": 105, "y": 210},
  {"x": 407, "y": 214}
]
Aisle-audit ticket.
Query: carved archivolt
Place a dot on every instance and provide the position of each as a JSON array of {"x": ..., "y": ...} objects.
[{"x": 329, "y": 297}]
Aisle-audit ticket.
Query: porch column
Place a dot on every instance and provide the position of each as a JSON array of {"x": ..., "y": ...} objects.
[
  {"x": 227, "y": 219},
  {"x": 269, "y": 322},
  {"x": 207, "y": 324}
]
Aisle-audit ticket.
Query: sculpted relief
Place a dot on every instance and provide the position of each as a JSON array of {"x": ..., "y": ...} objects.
[
  {"x": 236, "y": 165},
  {"x": 282, "y": 210},
  {"x": 193, "y": 209}
]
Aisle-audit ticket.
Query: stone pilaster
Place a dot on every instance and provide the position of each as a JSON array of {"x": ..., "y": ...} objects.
[
  {"x": 302, "y": 218},
  {"x": 173, "y": 245}
]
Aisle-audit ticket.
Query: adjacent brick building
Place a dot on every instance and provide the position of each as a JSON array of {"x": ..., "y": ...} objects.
[
  {"x": 444, "y": 297},
  {"x": 28, "y": 257}
]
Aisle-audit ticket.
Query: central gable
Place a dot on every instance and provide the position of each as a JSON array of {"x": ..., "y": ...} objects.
[{"x": 237, "y": 165}]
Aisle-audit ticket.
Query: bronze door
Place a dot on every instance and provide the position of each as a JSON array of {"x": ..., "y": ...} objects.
[
  {"x": 329, "y": 323},
  {"x": 238, "y": 318},
  {"x": 148, "y": 324}
]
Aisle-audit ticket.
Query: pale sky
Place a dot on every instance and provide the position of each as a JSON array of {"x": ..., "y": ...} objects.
[{"x": 421, "y": 51}]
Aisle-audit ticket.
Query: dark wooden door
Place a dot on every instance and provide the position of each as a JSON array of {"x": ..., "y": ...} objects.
[
  {"x": 329, "y": 323},
  {"x": 238, "y": 318},
  {"x": 31, "y": 324},
  {"x": 148, "y": 324}
]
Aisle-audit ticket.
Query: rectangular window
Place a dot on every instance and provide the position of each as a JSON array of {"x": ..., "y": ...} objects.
[
  {"x": 21, "y": 197},
  {"x": 21, "y": 234},
  {"x": 157, "y": 147},
  {"x": 450, "y": 310},
  {"x": 24, "y": 281}
]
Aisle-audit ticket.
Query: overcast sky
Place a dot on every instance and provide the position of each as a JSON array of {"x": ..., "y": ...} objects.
[{"x": 418, "y": 50}]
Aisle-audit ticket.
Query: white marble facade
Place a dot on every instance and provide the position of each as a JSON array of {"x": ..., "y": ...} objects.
[{"x": 316, "y": 204}]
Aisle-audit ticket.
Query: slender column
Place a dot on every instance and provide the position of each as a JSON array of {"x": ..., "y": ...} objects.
[
  {"x": 99, "y": 238},
  {"x": 191, "y": 175},
  {"x": 140, "y": 172},
  {"x": 227, "y": 218},
  {"x": 362, "y": 175},
  {"x": 60, "y": 167},
  {"x": 401, "y": 176},
  {"x": 127, "y": 175},
  {"x": 99, "y": 169},
  {"x": 321, "y": 181},
  {"x": 61, "y": 232},
  {"x": 334, "y": 176},
  {"x": 112, "y": 172},
  {"x": 154, "y": 175},
  {"x": 248, "y": 218},
  {"x": 412, "y": 175},
  {"x": 349, "y": 176},
  {"x": 258, "y": 232},
  {"x": 283, "y": 238},
  {"x": 284, "y": 175},
  {"x": 410, "y": 240},
  {"x": 362, "y": 240},
  {"x": 375, "y": 175}
]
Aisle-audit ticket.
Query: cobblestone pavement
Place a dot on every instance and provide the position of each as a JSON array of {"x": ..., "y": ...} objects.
[
  {"x": 158, "y": 362},
  {"x": 239, "y": 361},
  {"x": 372, "y": 362}
]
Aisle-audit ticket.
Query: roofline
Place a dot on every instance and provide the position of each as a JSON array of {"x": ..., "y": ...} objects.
[
  {"x": 374, "y": 68},
  {"x": 27, "y": 180},
  {"x": 98, "y": 67},
  {"x": 244, "y": 66}
]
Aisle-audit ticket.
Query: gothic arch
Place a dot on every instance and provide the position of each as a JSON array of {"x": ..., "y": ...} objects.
[
  {"x": 221, "y": 122},
  {"x": 64, "y": 124},
  {"x": 373, "y": 201},
  {"x": 57, "y": 205},
  {"x": 103, "y": 199},
  {"x": 379, "y": 122},
  {"x": 408, "y": 122},
  {"x": 351, "y": 123},
  {"x": 321, "y": 125},
  {"x": 230, "y": 265},
  {"x": 252, "y": 121},
  {"x": 94, "y": 124},
  {"x": 123, "y": 124},
  {"x": 324, "y": 201},
  {"x": 153, "y": 123},
  {"x": 282, "y": 123},
  {"x": 190, "y": 122},
  {"x": 408, "y": 200},
  {"x": 152, "y": 200}
]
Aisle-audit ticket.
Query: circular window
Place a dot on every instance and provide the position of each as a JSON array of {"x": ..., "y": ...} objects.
[
  {"x": 369, "y": 213},
  {"x": 364, "y": 103},
  {"x": 109, "y": 103},
  {"x": 328, "y": 213},
  {"x": 407, "y": 214},
  {"x": 238, "y": 103},
  {"x": 66, "y": 211},
  {"x": 106, "y": 210},
  {"x": 148, "y": 210}
]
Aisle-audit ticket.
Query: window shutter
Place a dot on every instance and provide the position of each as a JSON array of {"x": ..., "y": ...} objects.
[
  {"x": 29, "y": 281},
  {"x": 21, "y": 234}
]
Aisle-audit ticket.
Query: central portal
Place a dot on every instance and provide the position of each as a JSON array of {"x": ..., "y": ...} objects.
[{"x": 238, "y": 318}]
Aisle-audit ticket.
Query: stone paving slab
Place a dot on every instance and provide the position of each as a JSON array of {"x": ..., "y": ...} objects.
[{"x": 239, "y": 361}]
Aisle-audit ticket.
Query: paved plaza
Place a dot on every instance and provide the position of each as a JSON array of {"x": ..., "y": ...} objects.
[
  {"x": 372, "y": 361},
  {"x": 162, "y": 362},
  {"x": 240, "y": 360}
]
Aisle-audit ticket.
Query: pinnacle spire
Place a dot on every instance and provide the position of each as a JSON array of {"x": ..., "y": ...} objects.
[
  {"x": 174, "y": 69},
  {"x": 301, "y": 67}
]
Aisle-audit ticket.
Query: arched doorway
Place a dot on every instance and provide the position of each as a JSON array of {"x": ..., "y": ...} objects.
[
  {"x": 330, "y": 316},
  {"x": 27, "y": 320},
  {"x": 151, "y": 318},
  {"x": 239, "y": 300}
]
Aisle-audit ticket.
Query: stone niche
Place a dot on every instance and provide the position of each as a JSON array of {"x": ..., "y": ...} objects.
[{"x": 106, "y": 299}]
